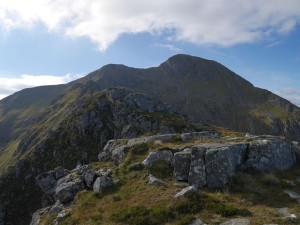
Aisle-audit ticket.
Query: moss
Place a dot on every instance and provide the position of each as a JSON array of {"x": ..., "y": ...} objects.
[{"x": 161, "y": 169}]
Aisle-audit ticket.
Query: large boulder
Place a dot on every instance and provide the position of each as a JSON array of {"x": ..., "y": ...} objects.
[
  {"x": 197, "y": 173},
  {"x": 268, "y": 155},
  {"x": 103, "y": 183},
  {"x": 222, "y": 162},
  {"x": 67, "y": 190},
  {"x": 47, "y": 181},
  {"x": 182, "y": 163}
]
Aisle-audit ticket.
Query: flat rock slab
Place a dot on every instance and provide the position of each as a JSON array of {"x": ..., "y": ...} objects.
[
  {"x": 238, "y": 221},
  {"x": 156, "y": 181},
  {"x": 185, "y": 191}
]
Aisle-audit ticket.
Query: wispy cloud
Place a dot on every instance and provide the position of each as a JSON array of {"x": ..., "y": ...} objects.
[
  {"x": 292, "y": 94},
  {"x": 168, "y": 46},
  {"x": 9, "y": 85},
  {"x": 202, "y": 22}
]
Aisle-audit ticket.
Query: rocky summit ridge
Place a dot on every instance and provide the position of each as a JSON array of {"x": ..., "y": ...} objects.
[
  {"x": 112, "y": 134},
  {"x": 197, "y": 160}
]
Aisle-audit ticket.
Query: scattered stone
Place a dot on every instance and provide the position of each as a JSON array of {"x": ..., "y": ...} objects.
[
  {"x": 293, "y": 195},
  {"x": 164, "y": 155},
  {"x": 286, "y": 214},
  {"x": 237, "y": 221},
  {"x": 197, "y": 222},
  {"x": 103, "y": 183},
  {"x": 182, "y": 163},
  {"x": 185, "y": 191},
  {"x": 104, "y": 172},
  {"x": 156, "y": 181}
]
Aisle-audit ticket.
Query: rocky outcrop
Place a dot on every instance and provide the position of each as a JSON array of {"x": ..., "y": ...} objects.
[
  {"x": 264, "y": 155},
  {"x": 222, "y": 162},
  {"x": 164, "y": 155},
  {"x": 117, "y": 149},
  {"x": 214, "y": 165},
  {"x": 182, "y": 163}
]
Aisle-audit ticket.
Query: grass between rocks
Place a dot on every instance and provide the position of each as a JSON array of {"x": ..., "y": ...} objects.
[{"x": 135, "y": 202}]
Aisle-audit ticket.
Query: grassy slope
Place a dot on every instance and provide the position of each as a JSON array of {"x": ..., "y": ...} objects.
[{"x": 137, "y": 203}]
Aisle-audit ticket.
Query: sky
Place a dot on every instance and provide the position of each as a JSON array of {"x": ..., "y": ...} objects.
[{"x": 45, "y": 42}]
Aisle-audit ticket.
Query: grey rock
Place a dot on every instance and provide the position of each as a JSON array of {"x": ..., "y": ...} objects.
[
  {"x": 222, "y": 162},
  {"x": 156, "y": 181},
  {"x": 197, "y": 222},
  {"x": 194, "y": 135},
  {"x": 56, "y": 208},
  {"x": 47, "y": 181},
  {"x": 182, "y": 163},
  {"x": 61, "y": 217},
  {"x": 197, "y": 173},
  {"x": 268, "y": 155},
  {"x": 36, "y": 216},
  {"x": 67, "y": 191},
  {"x": 285, "y": 212},
  {"x": 293, "y": 195},
  {"x": 89, "y": 178},
  {"x": 237, "y": 221},
  {"x": 102, "y": 184},
  {"x": 102, "y": 172},
  {"x": 185, "y": 191},
  {"x": 164, "y": 155}
]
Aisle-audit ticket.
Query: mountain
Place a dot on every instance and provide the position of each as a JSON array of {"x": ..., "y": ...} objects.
[
  {"x": 68, "y": 125},
  {"x": 206, "y": 90}
]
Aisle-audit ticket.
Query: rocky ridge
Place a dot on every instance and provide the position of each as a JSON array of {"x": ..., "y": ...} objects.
[{"x": 202, "y": 160}]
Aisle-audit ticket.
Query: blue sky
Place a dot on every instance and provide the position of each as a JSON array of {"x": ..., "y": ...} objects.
[{"x": 49, "y": 42}]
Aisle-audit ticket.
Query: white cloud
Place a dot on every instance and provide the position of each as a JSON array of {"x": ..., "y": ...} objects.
[
  {"x": 9, "y": 85},
  {"x": 168, "y": 46},
  {"x": 203, "y": 22},
  {"x": 291, "y": 94}
]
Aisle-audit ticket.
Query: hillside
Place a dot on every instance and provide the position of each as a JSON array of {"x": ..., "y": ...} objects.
[
  {"x": 207, "y": 91},
  {"x": 68, "y": 125}
]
